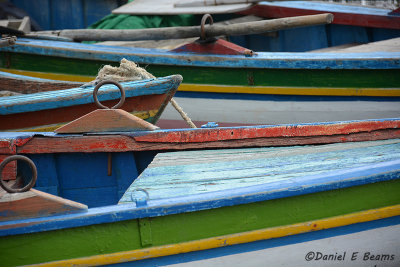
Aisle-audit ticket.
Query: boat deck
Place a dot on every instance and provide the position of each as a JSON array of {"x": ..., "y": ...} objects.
[
  {"x": 391, "y": 45},
  {"x": 185, "y": 173}
]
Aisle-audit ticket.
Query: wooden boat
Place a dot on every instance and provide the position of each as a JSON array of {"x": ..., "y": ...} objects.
[
  {"x": 255, "y": 88},
  {"x": 23, "y": 84},
  {"x": 46, "y": 110},
  {"x": 345, "y": 13},
  {"x": 352, "y": 25},
  {"x": 209, "y": 196},
  {"x": 267, "y": 88}
]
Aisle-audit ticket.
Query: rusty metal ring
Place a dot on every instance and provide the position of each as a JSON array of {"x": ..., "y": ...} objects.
[
  {"x": 203, "y": 22},
  {"x": 28, "y": 186},
  {"x": 96, "y": 89}
]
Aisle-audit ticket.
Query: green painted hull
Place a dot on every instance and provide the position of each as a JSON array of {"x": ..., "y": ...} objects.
[
  {"x": 346, "y": 78},
  {"x": 149, "y": 232}
]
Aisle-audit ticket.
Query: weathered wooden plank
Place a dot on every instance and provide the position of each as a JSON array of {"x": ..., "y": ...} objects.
[
  {"x": 229, "y": 155},
  {"x": 185, "y": 173},
  {"x": 106, "y": 120},
  {"x": 144, "y": 106},
  {"x": 28, "y": 85},
  {"x": 10, "y": 170},
  {"x": 268, "y": 61},
  {"x": 124, "y": 143},
  {"x": 343, "y": 14},
  {"x": 7, "y": 146},
  {"x": 288, "y": 130},
  {"x": 80, "y": 96},
  {"x": 202, "y": 3},
  {"x": 35, "y": 203}
]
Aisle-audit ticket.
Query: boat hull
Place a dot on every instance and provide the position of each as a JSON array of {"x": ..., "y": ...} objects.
[
  {"x": 301, "y": 87},
  {"x": 253, "y": 192},
  {"x": 326, "y": 247},
  {"x": 373, "y": 242},
  {"x": 48, "y": 110}
]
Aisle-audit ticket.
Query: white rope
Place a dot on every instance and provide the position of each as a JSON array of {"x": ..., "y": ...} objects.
[
  {"x": 183, "y": 114},
  {"x": 130, "y": 71}
]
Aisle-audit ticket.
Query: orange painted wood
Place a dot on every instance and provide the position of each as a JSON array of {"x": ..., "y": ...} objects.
[
  {"x": 34, "y": 203},
  {"x": 106, "y": 120},
  {"x": 121, "y": 143},
  {"x": 10, "y": 170},
  {"x": 7, "y": 147},
  {"x": 219, "y": 134},
  {"x": 67, "y": 114},
  {"x": 219, "y": 46},
  {"x": 389, "y": 21}
]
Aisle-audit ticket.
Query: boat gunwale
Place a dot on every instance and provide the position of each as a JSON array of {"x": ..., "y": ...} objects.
[
  {"x": 262, "y": 60},
  {"x": 29, "y": 142},
  {"x": 332, "y": 7},
  {"x": 375, "y": 173},
  {"x": 84, "y": 95}
]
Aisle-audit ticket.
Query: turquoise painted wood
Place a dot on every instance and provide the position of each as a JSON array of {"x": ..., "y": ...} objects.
[
  {"x": 186, "y": 173},
  {"x": 229, "y": 191},
  {"x": 262, "y": 60},
  {"x": 83, "y": 95},
  {"x": 294, "y": 171}
]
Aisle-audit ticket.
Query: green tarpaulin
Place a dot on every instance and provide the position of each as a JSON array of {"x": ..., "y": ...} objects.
[{"x": 114, "y": 21}]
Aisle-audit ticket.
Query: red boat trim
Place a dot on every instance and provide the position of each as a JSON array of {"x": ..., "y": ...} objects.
[{"x": 354, "y": 19}]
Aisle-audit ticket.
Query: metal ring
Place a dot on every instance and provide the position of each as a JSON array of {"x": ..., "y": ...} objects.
[
  {"x": 28, "y": 186},
  {"x": 139, "y": 202},
  {"x": 203, "y": 22},
  {"x": 96, "y": 89}
]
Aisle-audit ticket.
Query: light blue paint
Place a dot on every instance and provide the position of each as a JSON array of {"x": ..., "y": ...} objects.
[
  {"x": 80, "y": 96},
  {"x": 372, "y": 173},
  {"x": 286, "y": 60},
  {"x": 186, "y": 173},
  {"x": 328, "y": 7}
]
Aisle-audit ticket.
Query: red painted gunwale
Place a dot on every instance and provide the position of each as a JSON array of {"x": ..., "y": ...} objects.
[
  {"x": 203, "y": 138},
  {"x": 215, "y": 138},
  {"x": 354, "y": 19}
]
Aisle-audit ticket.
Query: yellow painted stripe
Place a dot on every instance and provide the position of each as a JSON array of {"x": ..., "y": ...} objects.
[
  {"x": 188, "y": 87},
  {"x": 310, "y": 91},
  {"x": 51, "y": 76},
  {"x": 233, "y": 239},
  {"x": 51, "y": 127}
]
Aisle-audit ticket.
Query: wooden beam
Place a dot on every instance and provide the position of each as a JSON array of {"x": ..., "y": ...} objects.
[{"x": 244, "y": 28}]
